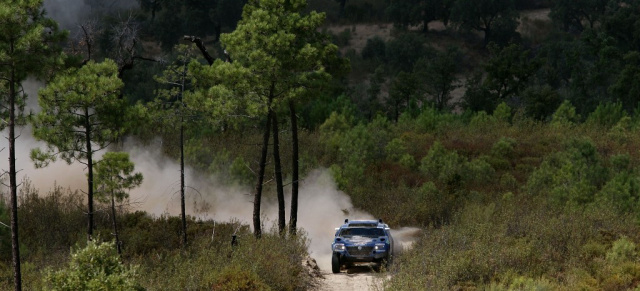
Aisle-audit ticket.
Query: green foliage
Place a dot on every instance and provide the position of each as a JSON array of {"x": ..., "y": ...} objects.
[
  {"x": 622, "y": 250},
  {"x": 440, "y": 75},
  {"x": 289, "y": 61},
  {"x": 431, "y": 119},
  {"x": 574, "y": 14},
  {"x": 541, "y": 102},
  {"x": 25, "y": 32},
  {"x": 571, "y": 177},
  {"x": 496, "y": 18},
  {"x": 509, "y": 71},
  {"x": 449, "y": 168},
  {"x": 607, "y": 114},
  {"x": 502, "y": 152},
  {"x": 502, "y": 113},
  {"x": 237, "y": 279},
  {"x": 623, "y": 191},
  {"x": 79, "y": 107},
  {"x": 114, "y": 176},
  {"x": 565, "y": 115},
  {"x": 403, "y": 93},
  {"x": 418, "y": 12},
  {"x": 404, "y": 51},
  {"x": 95, "y": 267}
]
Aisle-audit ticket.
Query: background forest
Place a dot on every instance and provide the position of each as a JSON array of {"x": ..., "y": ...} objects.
[{"x": 505, "y": 130}]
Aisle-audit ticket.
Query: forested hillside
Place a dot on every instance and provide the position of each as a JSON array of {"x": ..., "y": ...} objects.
[{"x": 506, "y": 131}]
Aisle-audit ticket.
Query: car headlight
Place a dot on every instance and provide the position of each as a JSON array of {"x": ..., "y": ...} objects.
[
  {"x": 379, "y": 247},
  {"x": 339, "y": 247}
]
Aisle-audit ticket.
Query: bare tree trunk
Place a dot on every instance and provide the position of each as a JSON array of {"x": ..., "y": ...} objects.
[
  {"x": 257, "y": 226},
  {"x": 182, "y": 184},
  {"x": 182, "y": 204},
  {"x": 200, "y": 45},
  {"x": 293, "y": 219},
  {"x": 90, "y": 176},
  {"x": 278, "y": 172},
  {"x": 15, "y": 246},
  {"x": 115, "y": 224}
]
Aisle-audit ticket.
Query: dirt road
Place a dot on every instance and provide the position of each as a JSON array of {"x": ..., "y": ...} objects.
[{"x": 356, "y": 278}]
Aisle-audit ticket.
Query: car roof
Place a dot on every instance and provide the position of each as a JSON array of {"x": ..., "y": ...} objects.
[{"x": 365, "y": 223}]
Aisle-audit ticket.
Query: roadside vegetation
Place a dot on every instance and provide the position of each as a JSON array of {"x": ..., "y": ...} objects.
[{"x": 510, "y": 136}]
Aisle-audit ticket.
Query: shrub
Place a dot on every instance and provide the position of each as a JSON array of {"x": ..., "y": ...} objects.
[
  {"x": 622, "y": 250},
  {"x": 565, "y": 115},
  {"x": 96, "y": 267},
  {"x": 607, "y": 114},
  {"x": 234, "y": 278},
  {"x": 395, "y": 149},
  {"x": 502, "y": 113},
  {"x": 570, "y": 177},
  {"x": 442, "y": 165}
]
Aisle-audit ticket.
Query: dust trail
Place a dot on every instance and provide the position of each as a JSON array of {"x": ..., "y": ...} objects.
[{"x": 322, "y": 206}]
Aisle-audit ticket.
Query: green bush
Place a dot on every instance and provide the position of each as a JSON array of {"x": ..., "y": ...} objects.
[
  {"x": 622, "y": 250},
  {"x": 95, "y": 267},
  {"x": 565, "y": 115},
  {"x": 502, "y": 113},
  {"x": 607, "y": 114},
  {"x": 234, "y": 278},
  {"x": 570, "y": 177}
]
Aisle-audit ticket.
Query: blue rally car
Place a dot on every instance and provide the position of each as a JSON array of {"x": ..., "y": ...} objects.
[{"x": 361, "y": 241}]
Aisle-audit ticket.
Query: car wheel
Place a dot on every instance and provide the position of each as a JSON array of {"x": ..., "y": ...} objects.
[
  {"x": 335, "y": 264},
  {"x": 387, "y": 261}
]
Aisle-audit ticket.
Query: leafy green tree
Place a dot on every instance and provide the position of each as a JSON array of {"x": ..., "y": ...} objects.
[
  {"x": 376, "y": 81},
  {"x": 571, "y": 177},
  {"x": 625, "y": 89},
  {"x": 28, "y": 46},
  {"x": 114, "y": 177},
  {"x": 509, "y": 70},
  {"x": 498, "y": 19},
  {"x": 565, "y": 114},
  {"x": 278, "y": 55},
  {"x": 404, "y": 91},
  {"x": 404, "y": 51},
  {"x": 406, "y": 13},
  {"x": 439, "y": 76},
  {"x": 80, "y": 115},
  {"x": 571, "y": 14},
  {"x": 541, "y": 101},
  {"x": 96, "y": 267}
]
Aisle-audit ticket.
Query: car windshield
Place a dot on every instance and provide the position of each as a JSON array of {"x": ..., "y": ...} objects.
[{"x": 362, "y": 231}]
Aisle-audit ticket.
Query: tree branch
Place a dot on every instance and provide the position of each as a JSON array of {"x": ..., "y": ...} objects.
[{"x": 200, "y": 45}]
